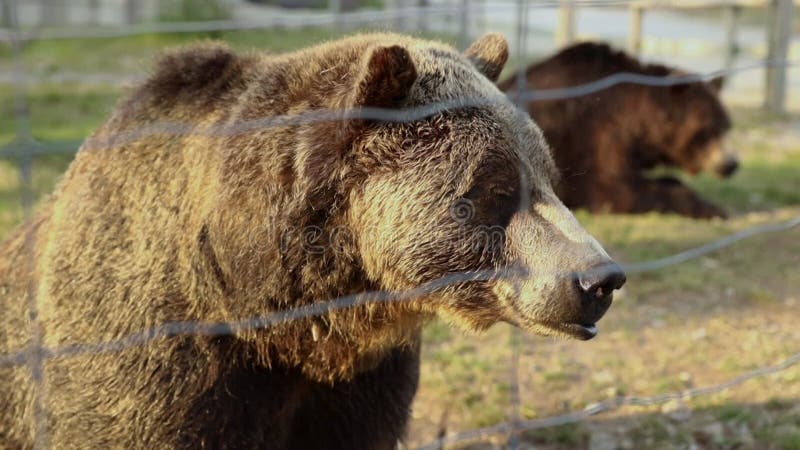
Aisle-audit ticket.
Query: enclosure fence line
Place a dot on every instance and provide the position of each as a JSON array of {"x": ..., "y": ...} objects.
[
  {"x": 278, "y": 20},
  {"x": 26, "y": 149},
  {"x": 28, "y": 146},
  {"x": 173, "y": 329},
  {"x": 608, "y": 406},
  {"x": 34, "y": 358}
]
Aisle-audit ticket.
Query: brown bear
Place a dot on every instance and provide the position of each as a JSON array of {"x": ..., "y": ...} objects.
[
  {"x": 216, "y": 193},
  {"x": 605, "y": 141}
]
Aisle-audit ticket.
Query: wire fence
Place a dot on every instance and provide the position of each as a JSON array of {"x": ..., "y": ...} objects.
[{"x": 26, "y": 149}]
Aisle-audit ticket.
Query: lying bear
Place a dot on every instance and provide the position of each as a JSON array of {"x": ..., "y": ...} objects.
[
  {"x": 215, "y": 194},
  {"x": 605, "y": 141}
]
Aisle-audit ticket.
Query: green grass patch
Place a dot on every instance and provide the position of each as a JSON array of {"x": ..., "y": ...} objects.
[{"x": 566, "y": 436}]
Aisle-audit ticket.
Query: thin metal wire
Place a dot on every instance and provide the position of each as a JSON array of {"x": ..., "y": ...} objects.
[
  {"x": 171, "y": 329},
  {"x": 409, "y": 114}
]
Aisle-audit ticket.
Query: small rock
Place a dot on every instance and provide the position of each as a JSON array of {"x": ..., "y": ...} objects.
[
  {"x": 676, "y": 410},
  {"x": 715, "y": 431},
  {"x": 613, "y": 392},
  {"x": 602, "y": 440},
  {"x": 603, "y": 377},
  {"x": 745, "y": 436},
  {"x": 699, "y": 333}
]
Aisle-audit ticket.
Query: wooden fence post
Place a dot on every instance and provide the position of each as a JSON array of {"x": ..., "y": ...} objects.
[
  {"x": 335, "y": 9},
  {"x": 422, "y": 18},
  {"x": 565, "y": 33},
  {"x": 398, "y": 21},
  {"x": 635, "y": 32},
  {"x": 131, "y": 11},
  {"x": 5, "y": 12},
  {"x": 463, "y": 25},
  {"x": 779, "y": 35},
  {"x": 52, "y": 12},
  {"x": 731, "y": 30}
]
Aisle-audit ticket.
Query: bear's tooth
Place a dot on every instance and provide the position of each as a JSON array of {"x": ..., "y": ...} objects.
[{"x": 315, "y": 332}]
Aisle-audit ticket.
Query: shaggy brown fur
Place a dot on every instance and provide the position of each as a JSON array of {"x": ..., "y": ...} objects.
[
  {"x": 605, "y": 141},
  {"x": 214, "y": 227}
]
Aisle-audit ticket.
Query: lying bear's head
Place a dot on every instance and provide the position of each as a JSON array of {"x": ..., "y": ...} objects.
[
  {"x": 436, "y": 199},
  {"x": 691, "y": 132}
]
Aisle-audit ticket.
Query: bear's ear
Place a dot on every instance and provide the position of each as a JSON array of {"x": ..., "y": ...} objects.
[
  {"x": 717, "y": 83},
  {"x": 386, "y": 78},
  {"x": 489, "y": 55}
]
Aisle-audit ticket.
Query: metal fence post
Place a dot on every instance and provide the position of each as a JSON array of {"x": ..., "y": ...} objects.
[
  {"x": 779, "y": 28},
  {"x": 565, "y": 33}
]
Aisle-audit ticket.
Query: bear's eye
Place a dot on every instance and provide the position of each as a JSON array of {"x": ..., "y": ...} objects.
[
  {"x": 493, "y": 205},
  {"x": 699, "y": 139}
]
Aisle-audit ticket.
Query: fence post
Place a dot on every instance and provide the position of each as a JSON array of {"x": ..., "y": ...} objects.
[
  {"x": 422, "y": 18},
  {"x": 131, "y": 11},
  {"x": 522, "y": 50},
  {"x": 780, "y": 32},
  {"x": 52, "y": 12},
  {"x": 398, "y": 22},
  {"x": 94, "y": 12},
  {"x": 463, "y": 25},
  {"x": 5, "y": 11},
  {"x": 731, "y": 30},
  {"x": 335, "y": 9},
  {"x": 635, "y": 32},
  {"x": 565, "y": 33}
]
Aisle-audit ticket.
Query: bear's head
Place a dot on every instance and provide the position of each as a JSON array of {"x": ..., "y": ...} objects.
[
  {"x": 691, "y": 132},
  {"x": 465, "y": 192}
]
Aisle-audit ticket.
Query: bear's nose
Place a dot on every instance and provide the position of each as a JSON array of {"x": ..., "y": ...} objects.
[
  {"x": 600, "y": 281},
  {"x": 728, "y": 167}
]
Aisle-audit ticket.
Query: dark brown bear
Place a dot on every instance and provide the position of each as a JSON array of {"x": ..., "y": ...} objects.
[
  {"x": 206, "y": 200},
  {"x": 605, "y": 141}
]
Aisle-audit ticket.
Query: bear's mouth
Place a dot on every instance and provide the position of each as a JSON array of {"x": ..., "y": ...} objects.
[
  {"x": 583, "y": 332},
  {"x": 580, "y": 331}
]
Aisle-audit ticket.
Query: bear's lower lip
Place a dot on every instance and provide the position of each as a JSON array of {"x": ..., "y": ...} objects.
[
  {"x": 580, "y": 331},
  {"x": 583, "y": 332}
]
